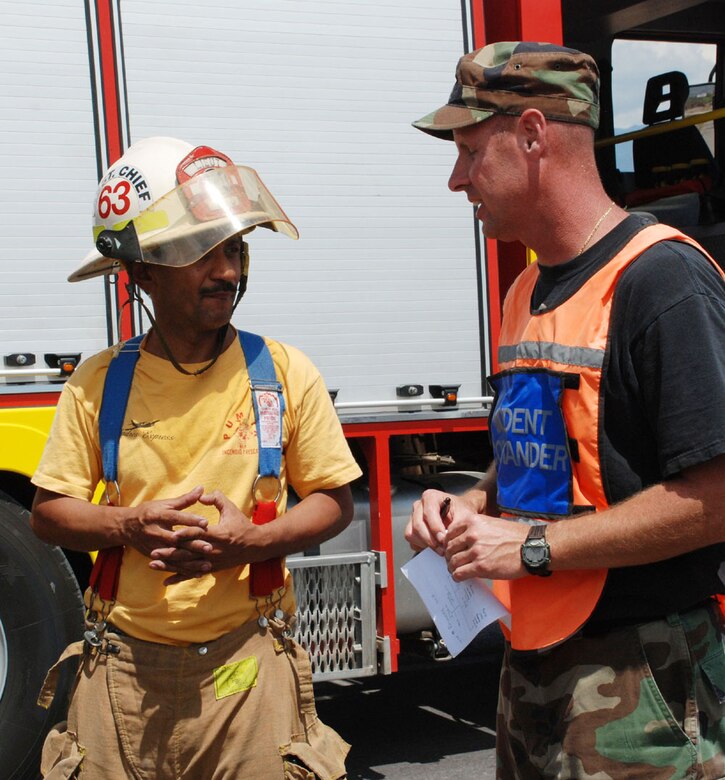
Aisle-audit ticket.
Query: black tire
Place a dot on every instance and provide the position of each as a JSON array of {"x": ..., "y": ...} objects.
[{"x": 41, "y": 611}]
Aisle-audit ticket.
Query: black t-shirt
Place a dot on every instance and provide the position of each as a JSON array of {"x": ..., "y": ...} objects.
[{"x": 663, "y": 399}]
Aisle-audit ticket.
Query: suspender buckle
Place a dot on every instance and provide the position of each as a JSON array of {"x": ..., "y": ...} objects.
[
  {"x": 116, "y": 499},
  {"x": 264, "y": 487}
]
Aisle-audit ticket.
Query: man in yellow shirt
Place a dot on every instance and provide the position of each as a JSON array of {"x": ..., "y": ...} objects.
[{"x": 186, "y": 670}]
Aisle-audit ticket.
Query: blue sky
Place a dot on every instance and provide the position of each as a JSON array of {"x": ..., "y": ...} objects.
[{"x": 634, "y": 62}]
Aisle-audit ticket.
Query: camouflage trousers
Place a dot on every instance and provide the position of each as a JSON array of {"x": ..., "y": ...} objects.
[{"x": 642, "y": 701}]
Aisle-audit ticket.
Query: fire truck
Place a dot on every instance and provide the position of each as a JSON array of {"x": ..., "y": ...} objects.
[{"x": 391, "y": 290}]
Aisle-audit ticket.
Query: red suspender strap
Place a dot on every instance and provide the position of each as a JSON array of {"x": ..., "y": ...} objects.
[
  {"x": 265, "y": 576},
  {"x": 106, "y": 572}
]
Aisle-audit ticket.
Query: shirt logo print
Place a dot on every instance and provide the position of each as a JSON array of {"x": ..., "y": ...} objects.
[
  {"x": 239, "y": 437},
  {"x": 136, "y": 425},
  {"x": 139, "y": 429}
]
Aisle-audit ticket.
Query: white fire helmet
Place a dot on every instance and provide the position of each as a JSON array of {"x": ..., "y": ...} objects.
[{"x": 168, "y": 203}]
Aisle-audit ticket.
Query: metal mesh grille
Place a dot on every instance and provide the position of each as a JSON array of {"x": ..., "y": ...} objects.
[{"x": 332, "y": 624}]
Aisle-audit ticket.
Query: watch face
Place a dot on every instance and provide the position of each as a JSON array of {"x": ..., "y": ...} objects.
[{"x": 535, "y": 556}]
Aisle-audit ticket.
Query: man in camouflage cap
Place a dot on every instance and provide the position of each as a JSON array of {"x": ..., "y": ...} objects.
[
  {"x": 508, "y": 78},
  {"x": 615, "y": 663}
]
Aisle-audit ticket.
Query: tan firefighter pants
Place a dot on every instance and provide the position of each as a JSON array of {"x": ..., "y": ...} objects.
[{"x": 238, "y": 708}]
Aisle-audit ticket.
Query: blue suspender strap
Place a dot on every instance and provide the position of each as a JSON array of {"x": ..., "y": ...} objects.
[
  {"x": 268, "y": 412},
  {"x": 113, "y": 406},
  {"x": 266, "y": 396},
  {"x": 265, "y": 577},
  {"x": 268, "y": 402},
  {"x": 107, "y": 567}
]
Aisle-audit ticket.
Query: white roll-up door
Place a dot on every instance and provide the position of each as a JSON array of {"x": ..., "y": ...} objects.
[
  {"x": 318, "y": 96},
  {"x": 48, "y": 165}
]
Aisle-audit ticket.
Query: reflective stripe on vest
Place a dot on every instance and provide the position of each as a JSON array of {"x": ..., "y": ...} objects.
[{"x": 534, "y": 352}]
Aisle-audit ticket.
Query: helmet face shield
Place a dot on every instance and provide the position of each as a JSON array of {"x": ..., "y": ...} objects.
[
  {"x": 168, "y": 203},
  {"x": 186, "y": 223}
]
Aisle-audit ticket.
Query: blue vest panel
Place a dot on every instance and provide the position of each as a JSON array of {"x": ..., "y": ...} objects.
[{"x": 530, "y": 443}]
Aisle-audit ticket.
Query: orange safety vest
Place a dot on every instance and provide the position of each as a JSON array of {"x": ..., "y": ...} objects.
[{"x": 562, "y": 353}]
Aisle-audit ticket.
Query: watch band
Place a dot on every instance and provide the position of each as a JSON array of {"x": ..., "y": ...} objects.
[{"x": 537, "y": 531}]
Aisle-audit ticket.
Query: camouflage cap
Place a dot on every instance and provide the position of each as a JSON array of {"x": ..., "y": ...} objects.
[{"x": 509, "y": 77}]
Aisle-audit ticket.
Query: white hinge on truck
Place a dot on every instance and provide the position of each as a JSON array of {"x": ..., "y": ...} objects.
[{"x": 391, "y": 289}]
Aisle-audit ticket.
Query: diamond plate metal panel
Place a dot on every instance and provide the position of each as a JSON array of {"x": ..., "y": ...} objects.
[{"x": 336, "y": 620}]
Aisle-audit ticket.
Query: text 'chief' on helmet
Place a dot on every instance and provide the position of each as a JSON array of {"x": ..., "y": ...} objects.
[{"x": 169, "y": 203}]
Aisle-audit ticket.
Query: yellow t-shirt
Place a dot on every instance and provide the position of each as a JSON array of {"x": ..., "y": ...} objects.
[{"x": 179, "y": 432}]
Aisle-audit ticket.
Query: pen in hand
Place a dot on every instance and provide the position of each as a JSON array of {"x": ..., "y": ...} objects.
[
  {"x": 443, "y": 511},
  {"x": 445, "y": 506}
]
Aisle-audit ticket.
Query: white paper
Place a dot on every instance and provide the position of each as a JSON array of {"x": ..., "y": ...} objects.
[{"x": 459, "y": 609}]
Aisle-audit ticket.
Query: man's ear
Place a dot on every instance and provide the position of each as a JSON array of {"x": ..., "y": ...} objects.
[
  {"x": 531, "y": 132},
  {"x": 140, "y": 275}
]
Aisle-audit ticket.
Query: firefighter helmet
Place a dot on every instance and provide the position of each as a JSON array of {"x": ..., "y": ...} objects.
[{"x": 168, "y": 203}]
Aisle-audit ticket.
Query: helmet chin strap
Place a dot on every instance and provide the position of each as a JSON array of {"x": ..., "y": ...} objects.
[
  {"x": 244, "y": 276},
  {"x": 241, "y": 289}
]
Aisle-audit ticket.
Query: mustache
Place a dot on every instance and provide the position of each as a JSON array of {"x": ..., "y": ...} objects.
[{"x": 222, "y": 287}]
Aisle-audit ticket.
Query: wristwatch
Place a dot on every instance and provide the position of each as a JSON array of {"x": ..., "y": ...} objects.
[{"x": 535, "y": 553}]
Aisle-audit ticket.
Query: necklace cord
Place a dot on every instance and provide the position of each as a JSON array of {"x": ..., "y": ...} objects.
[{"x": 595, "y": 228}]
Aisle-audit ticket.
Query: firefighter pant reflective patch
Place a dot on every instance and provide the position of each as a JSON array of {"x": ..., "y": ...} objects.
[
  {"x": 641, "y": 701},
  {"x": 232, "y": 708},
  {"x": 235, "y": 678}
]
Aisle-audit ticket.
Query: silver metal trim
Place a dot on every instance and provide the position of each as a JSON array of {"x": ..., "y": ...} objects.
[
  {"x": 17, "y": 373},
  {"x": 418, "y": 401},
  {"x": 381, "y": 568}
]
